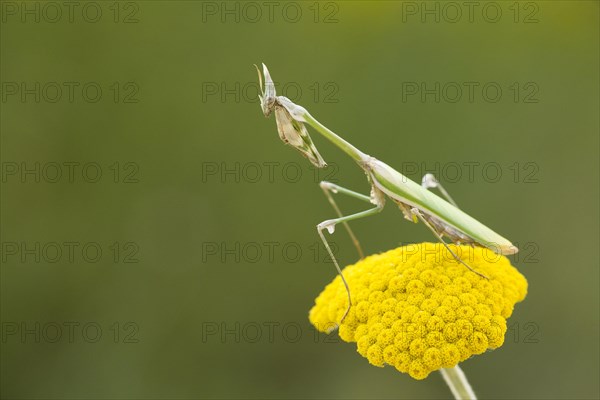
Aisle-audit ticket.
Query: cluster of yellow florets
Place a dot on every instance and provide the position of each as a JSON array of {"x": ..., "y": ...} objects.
[{"x": 418, "y": 309}]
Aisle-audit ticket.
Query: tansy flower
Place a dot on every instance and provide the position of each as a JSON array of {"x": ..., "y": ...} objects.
[{"x": 417, "y": 309}]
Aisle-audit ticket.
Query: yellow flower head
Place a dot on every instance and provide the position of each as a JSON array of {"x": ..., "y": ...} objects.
[{"x": 419, "y": 310}]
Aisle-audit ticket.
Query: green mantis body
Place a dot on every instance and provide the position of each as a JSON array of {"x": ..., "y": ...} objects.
[{"x": 442, "y": 217}]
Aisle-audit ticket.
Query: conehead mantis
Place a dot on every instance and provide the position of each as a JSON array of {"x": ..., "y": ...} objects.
[{"x": 417, "y": 202}]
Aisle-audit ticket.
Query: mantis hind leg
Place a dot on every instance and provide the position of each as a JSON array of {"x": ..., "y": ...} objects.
[
  {"x": 416, "y": 212},
  {"x": 330, "y": 226},
  {"x": 430, "y": 182}
]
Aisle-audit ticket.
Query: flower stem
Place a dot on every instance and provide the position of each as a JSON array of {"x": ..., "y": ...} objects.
[{"x": 456, "y": 379}]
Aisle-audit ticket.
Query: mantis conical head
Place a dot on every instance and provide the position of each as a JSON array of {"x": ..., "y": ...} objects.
[
  {"x": 289, "y": 117},
  {"x": 267, "y": 96}
]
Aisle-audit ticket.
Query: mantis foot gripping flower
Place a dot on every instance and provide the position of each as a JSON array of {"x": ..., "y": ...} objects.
[{"x": 418, "y": 310}]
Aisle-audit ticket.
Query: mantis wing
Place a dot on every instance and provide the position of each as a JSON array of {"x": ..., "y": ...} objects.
[{"x": 399, "y": 187}]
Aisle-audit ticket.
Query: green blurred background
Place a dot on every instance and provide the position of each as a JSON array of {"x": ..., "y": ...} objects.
[{"x": 220, "y": 216}]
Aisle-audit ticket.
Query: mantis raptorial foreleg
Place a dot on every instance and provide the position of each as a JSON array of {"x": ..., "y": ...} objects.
[
  {"x": 329, "y": 188},
  {"x": 429, "y": 182},
  {"x": 330, "y": 226},
  {"x": 416, "y": 212}
]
